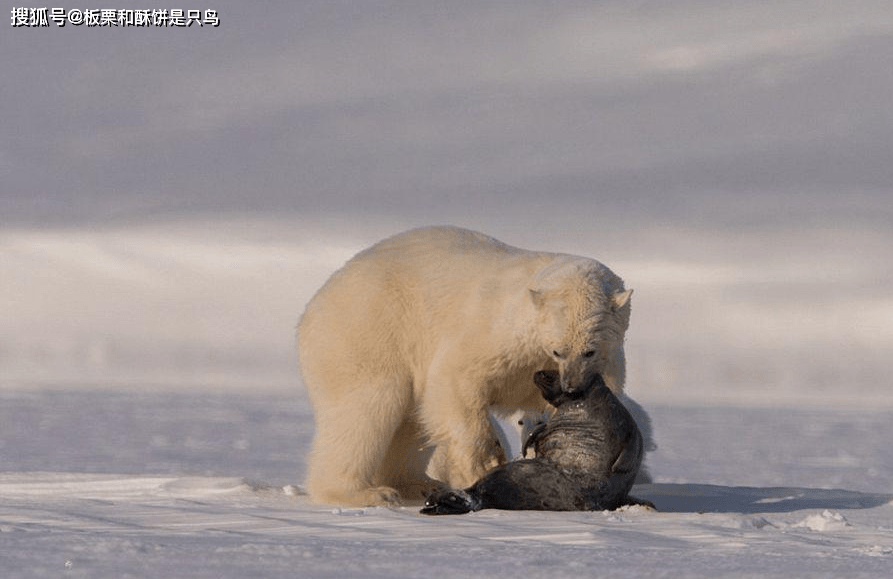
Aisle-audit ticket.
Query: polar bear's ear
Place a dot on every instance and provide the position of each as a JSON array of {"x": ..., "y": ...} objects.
[{"x": 621, "y": 299}]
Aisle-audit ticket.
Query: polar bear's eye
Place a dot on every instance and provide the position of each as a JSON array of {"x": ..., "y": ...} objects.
[
  {"x": 556, "y": 354},
  {"x": 589, "y": 353}
]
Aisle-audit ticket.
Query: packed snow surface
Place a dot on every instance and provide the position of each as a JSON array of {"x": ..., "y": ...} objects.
[{"x": 154, "y": 483}]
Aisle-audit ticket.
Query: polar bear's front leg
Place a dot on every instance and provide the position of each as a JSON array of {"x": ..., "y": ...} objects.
[{"x": 466, "y": 444}]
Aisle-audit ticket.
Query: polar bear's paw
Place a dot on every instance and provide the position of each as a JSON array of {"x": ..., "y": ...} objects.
[{"x": 378, "y": 497}]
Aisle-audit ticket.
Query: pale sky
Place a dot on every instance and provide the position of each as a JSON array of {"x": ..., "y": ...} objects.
[{"x": 732, "y": 112}]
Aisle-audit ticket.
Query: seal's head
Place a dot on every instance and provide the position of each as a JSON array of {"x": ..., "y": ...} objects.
[{"x": 549, "y": 383}]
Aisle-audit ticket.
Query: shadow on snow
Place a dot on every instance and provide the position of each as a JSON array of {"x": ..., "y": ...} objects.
[{"x": 701, "y": 498}]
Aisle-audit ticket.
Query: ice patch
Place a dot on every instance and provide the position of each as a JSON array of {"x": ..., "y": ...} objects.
[{"x": 826, "y": 521}]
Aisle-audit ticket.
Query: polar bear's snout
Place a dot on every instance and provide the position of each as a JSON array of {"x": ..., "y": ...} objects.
[
  {"x": 549, "y": 383},
  {"x": 576, "y": 374},
  {"x": 571, "y": 385}
]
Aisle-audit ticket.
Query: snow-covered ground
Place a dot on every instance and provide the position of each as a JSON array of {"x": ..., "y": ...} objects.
[
  {"x": 138, "y": 483},
  {"x": 153, "y": 423}
]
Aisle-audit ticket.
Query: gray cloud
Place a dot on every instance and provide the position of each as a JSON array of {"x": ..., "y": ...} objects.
[{"x": 417, "y": 108}]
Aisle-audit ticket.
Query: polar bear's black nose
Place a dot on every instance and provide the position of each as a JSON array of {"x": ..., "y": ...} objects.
[
  {"x": 572, "y": 387},
  {"x": 579, "y": 387}
]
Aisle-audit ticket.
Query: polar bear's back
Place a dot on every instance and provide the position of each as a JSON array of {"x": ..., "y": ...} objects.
[
  {"x": 394, "y": 299},
  {"x": 423, "y": 267},
  {"x": 438, "y": 248},
  {"x": 443, "y": 238}
]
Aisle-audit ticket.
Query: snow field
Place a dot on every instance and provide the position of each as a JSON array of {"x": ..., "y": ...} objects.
[{"x": 206, "y": 484}]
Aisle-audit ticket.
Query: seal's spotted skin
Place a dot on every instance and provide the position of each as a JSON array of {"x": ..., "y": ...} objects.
[{"x": 587, "y": 457}]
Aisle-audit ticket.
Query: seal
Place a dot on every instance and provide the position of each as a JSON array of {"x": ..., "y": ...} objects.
[{"x": 587, "y": 457}]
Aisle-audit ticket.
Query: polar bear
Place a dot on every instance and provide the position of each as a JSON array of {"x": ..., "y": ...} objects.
[{"x": 406, "y": 349}]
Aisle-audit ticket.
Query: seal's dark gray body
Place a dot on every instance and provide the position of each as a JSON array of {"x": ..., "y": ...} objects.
[{"x": 587, "y": 457}]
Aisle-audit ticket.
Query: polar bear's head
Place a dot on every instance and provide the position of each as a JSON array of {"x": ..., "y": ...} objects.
[{"x": 582, "y": 316}]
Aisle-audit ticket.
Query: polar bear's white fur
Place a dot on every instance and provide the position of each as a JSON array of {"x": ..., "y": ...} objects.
[{"x": 405, "y": 349}]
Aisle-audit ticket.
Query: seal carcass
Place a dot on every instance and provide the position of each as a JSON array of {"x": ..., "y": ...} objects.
[{"x": 587, "y": 457}]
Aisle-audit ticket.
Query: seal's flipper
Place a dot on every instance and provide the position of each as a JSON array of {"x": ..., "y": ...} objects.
[
  {"x": 532, "y": 438},
  {"x": 630, "y": 457},
  {"x": 449, "y": 502}
]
